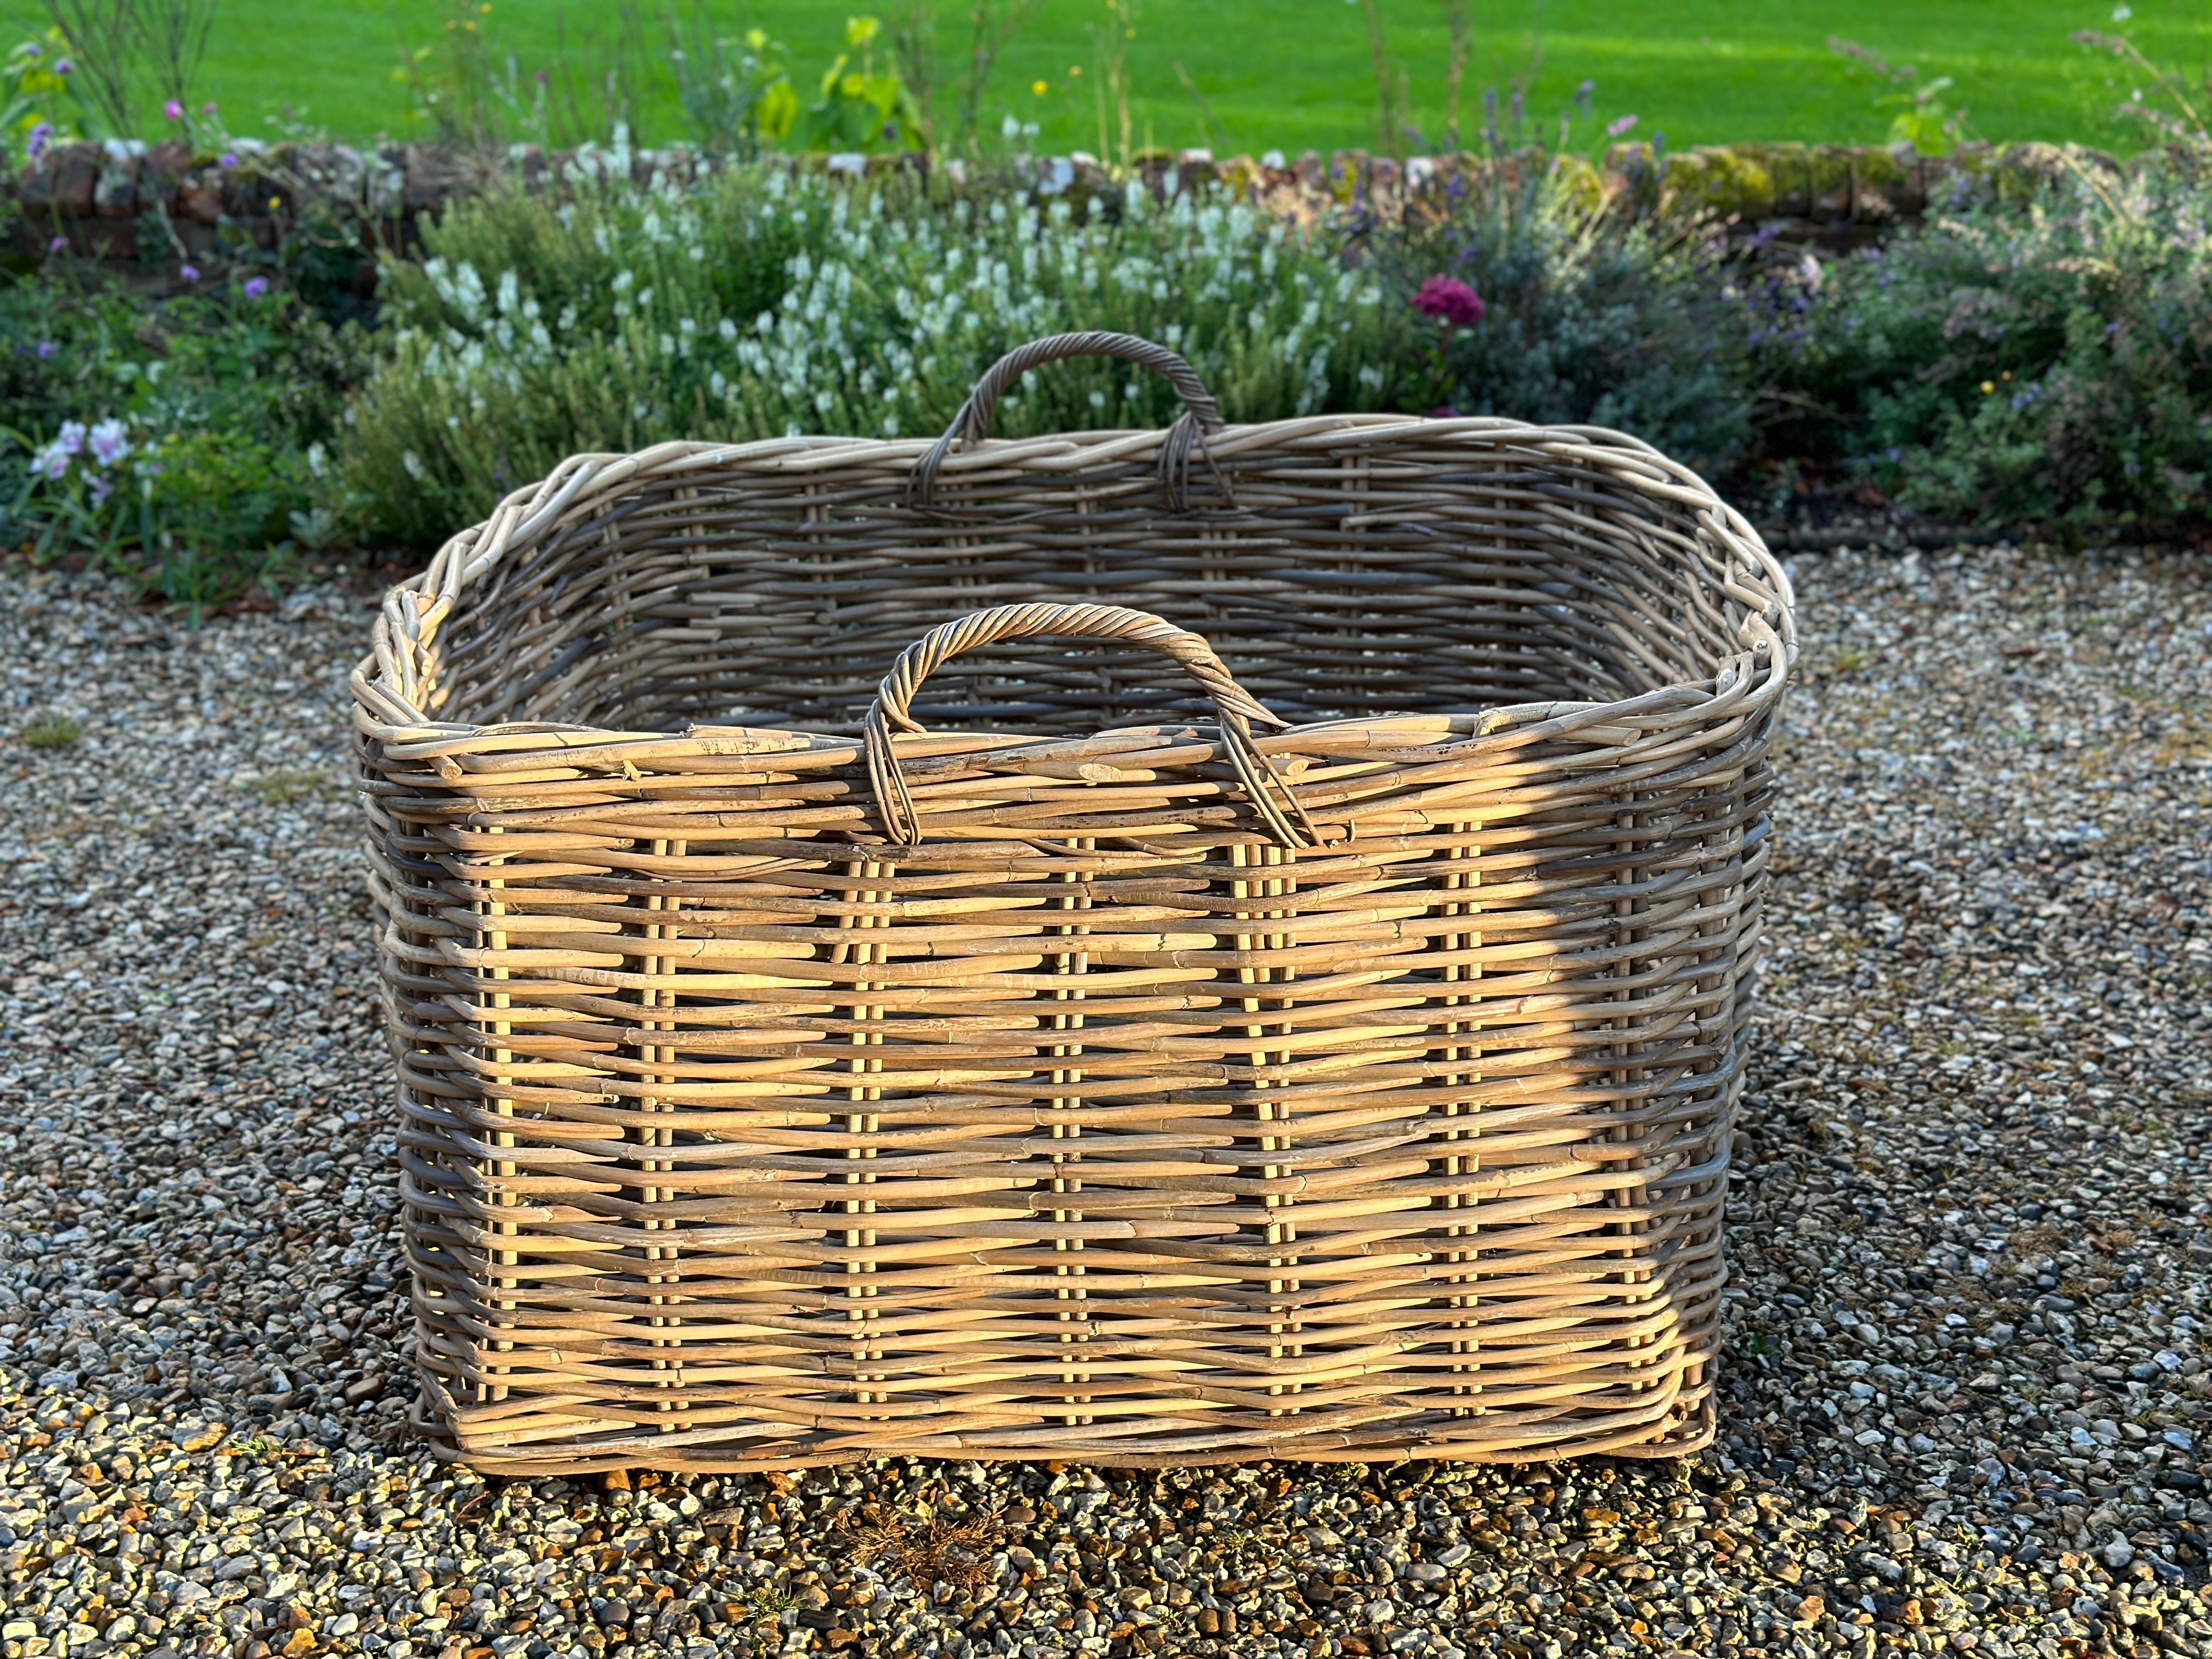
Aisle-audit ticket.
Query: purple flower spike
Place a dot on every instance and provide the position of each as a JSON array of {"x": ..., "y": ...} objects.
[
  {"x": 40, "y": 136},
  {"x": 1626, "y": 123},
  {"x": 189, "y": 273},
  {"x": 256, "y": 286},
  {"x": 1450, "y": 301},
  {"x": 174, "y": 110}
]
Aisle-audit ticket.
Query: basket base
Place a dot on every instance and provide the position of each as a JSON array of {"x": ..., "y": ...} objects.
[{"x": 1682, "y": 1433}]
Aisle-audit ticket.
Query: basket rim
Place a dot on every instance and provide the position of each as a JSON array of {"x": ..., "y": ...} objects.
[{"x": 408, "y": 619}]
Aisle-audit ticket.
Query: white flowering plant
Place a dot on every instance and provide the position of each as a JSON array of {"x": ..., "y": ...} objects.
[{"x": 774, "y": 301}]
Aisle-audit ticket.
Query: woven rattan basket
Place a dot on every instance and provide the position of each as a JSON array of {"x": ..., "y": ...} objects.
[{"x": 868, "y": 978}]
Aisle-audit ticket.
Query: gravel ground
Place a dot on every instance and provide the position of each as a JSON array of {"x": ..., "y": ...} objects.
[{"x": 1967, "y": 1397}]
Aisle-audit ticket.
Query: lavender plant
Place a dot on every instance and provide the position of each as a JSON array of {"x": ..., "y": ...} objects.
[{"x": 2051, "y": 361}]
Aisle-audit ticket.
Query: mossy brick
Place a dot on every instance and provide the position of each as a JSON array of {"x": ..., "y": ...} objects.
[
  {"x": 1885, "y": 183},
  {"x": 1831, "y": 181},
  {"x": 1724, "y": 178},
  {"x": 1579, "y": 183},
  {"x": 1791, "y": 171}
]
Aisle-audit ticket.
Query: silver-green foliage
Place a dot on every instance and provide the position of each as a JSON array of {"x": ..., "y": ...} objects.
[{"x": 770, "y": 302}]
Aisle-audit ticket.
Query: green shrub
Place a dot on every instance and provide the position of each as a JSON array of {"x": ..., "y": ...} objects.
[
  {"x": 174, "y": 441},
  {"x": 768, "y": 302},
  {"x": 2051, "y": 361},
  {"x": 1590, "y": 315}
]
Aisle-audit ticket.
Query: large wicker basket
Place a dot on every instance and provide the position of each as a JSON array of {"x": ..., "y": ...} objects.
[{"x": 1087, "y": 1075}]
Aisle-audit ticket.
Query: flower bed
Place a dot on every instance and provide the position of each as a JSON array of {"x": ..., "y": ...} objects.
[{"x": 2036, "y": 351}]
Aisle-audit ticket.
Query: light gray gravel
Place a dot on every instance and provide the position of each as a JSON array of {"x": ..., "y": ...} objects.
[{"x": 1968, "y": 1383}]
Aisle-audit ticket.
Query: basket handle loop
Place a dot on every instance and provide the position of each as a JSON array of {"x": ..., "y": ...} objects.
[
  {"x": 1200, "y": 415},
  {"x": 1235, "y": 708}
]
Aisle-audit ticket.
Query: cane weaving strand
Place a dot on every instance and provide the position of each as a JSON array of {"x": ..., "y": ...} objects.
[{"x": 1350, "y": 1087}]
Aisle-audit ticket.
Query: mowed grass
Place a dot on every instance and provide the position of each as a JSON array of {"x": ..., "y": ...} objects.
[{"x": 1296, "y": 74}]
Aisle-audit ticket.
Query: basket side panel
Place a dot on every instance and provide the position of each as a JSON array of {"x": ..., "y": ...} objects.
[{"x": 1096, "y": 1125}]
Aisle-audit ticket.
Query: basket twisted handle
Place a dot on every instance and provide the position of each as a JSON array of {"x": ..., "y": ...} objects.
[
  {"x": 1235, "y": 708},
  {"x": 1201, "y": 415}
]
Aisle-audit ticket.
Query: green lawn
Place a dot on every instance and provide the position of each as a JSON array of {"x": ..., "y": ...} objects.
[{"x": 1295, "y": 74}]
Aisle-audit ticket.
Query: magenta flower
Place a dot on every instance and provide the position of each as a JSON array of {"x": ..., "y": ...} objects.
[
  {"x": 1615, "y": 128},
  {"x": 174, "y": 110},
  {"x": 256, "y": 286},
  {"x": 1450, "y": 301},
  {"x": 189, "y": 273}
]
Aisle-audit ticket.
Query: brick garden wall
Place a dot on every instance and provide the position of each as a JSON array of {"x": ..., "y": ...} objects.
[{"x": 146, "y": 212}]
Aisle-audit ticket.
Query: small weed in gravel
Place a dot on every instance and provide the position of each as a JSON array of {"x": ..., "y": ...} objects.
[
  {"x": 930, "y": 1551},
  {"x": 289, "y": 784},
  {"x": 52, "y": 732}
]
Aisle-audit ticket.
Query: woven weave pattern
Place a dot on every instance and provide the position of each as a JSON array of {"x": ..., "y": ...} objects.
[{"x": 1282, "y": 991}]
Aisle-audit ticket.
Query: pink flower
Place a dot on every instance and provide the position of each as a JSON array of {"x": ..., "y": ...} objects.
[
  {"x": 174, "y": 110},
  {"x": 1615, "y": 128},
  {"x": 1450, "y": 301},
  {"x": 207, "y": 109}
]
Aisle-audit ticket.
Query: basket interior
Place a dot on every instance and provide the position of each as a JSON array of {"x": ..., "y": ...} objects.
[{"x": 753, "y": 597}]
